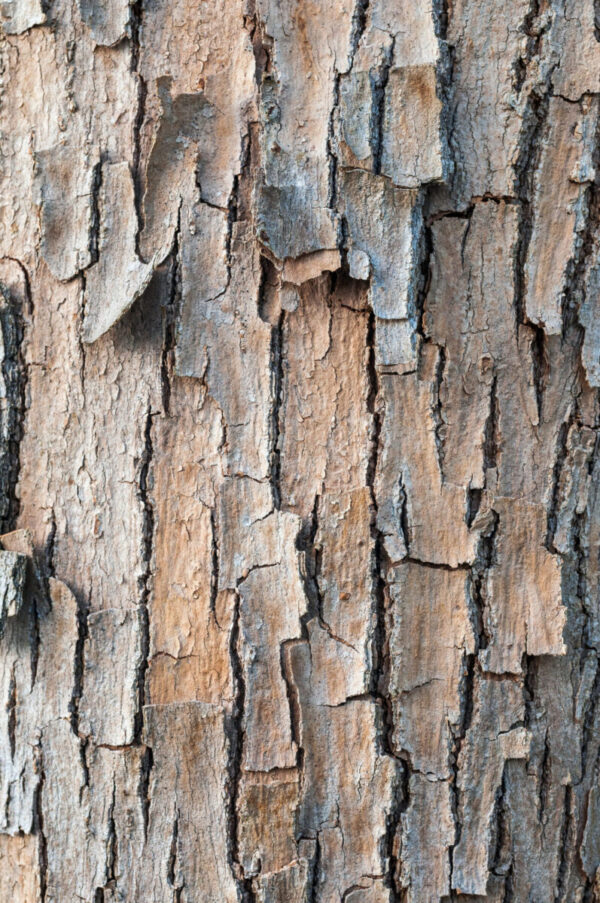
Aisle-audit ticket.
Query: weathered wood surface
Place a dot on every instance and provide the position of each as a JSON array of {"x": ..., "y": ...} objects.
[{"x": 299, "y": 451}]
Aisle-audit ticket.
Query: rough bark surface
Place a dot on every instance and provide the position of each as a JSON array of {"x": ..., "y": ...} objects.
[{"x": 299, "y": 451}]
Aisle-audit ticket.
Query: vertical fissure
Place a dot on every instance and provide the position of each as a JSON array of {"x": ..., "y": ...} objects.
[
  {"x": 145, "y": 579},
  {"x": 11, "y": 715},
  {"x": 235, "y": 733},
  {"x": 170, "y": 317},
  {"x": 539, "y": 358},
  {"x": 438, "y": 413},
  {"x": 146, "y": 765},
  {"x": 277, "y": 374},
  {"x": 444, "y": 79},
  {"x": 38, "y": 823},
  {"x": 378, "y": 563},
  {"x": 359, "y": 24},
  {"x": 545, "y": 779},
  {"x": 310, "y": 565},
  {"x": 564, "y": 847},
  {"x": 172, "y": 863},
  {"x": 14, "y": 378},
  {"x": 94, "y": 235},
  {"x": 83, "y": 610},
  {"x": 379, "y": 79},
  {"x": 332, "y": 151},
  {"x": 380, "y": 659},
  {"x": 501, "y": 863},
  {"x": 491, "y": 432},
  {"x": 262, "y": 43},
  {"x": 112, "y": 865},
  {"x": 459, "y": 733},
  {"x": 484, "y": 560},
  {"x": 136, "y": 19},
  {"x": 534, "y": 119},
  {"x": 214, "y": 562},
  {"x": 560, "y": 456},
  {"x": 313, "y": 889}
]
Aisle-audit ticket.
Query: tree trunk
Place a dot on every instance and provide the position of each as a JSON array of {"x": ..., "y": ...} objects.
[{"x": 299, "y": 451}]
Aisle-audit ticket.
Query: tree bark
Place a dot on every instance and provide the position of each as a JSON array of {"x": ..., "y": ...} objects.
[{"x": 299, "y": 451}]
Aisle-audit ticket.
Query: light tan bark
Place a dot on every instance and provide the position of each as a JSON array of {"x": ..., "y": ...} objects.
[{"x": 299, "y": 451}]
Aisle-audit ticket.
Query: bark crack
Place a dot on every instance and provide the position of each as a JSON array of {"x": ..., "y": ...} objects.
[
  {"x": 171, "y": 312},
  {"x": 235, "y": 732},
  {"x": 15, "y": 380},
  {"x": 145, "y": 579},
  {"x": 379, "y": 79}
]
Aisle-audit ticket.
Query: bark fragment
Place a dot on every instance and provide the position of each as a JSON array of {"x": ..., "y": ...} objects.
[
  {"x": 196, "y": 822},
  {"x": 64, "y": 192},
  {"x": 559, "y": 220},
  {"x": 109, "y": 22},
  {"x": 119, "y": 277},
  {"x": 526, "y": 582},
  {"x": 20, "y": 15},
  {"x": 426, "y": 671},
  {"x": 496, "y": 735},
  {"x": 109, "y": 700},
  {"x": 13, "y": 572}
]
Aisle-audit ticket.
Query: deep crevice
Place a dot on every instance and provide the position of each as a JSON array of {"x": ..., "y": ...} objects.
[
  {"x": 214, "y": 561},
  {"x": 588, "y": 729},
  {"x": 423, "y": 274},
  {"x": 171, "y": 314},
  {"x": 146, "y": 765},
  {"x": 545, "y": 781},
  {"x": 400, "y": 803},
  {"x": 83, "y": 609},
  {"x": 491, "y": 432},
  {"x": 378, "y": 560},
  {"x": 445, "y": 85},
  {"x": 277, "y": 374},
  {"x": 112, "y": 865},
  {"x": 500, "y": 860},
  {"x": 234, "y": 728},
  {"x": 136, "y": 15},
  {"x": 485, "y": 558},
  {"x": 437, "y": 410},
  {"x": 379, "y": 79},
  {"x": 262, "y": 43},
  {"x": 14, "y": 379},
  {"x": 534, "y": 121},
  {"x": 94, "y": 234},
  {"x": 331, "y": 152},
  {"x": 541, "y": 368},
  {"x": 380, "y": 656},
  {"x": 359, "y": 24},
  {"x": 172, "y": 863},
  {"x": 559, "y": 462},
  {"x": 459, "y": 734},
  {"x": 38, "y": 823},
  {"x": 11, "y": 714},
  {"x": 310, "y": 567},
  {"x": 313, "y": 893},
  {"x": 145, "y": 580},
  {"x": 564, "y": 851},
  {"x": 531, "y": 28}
]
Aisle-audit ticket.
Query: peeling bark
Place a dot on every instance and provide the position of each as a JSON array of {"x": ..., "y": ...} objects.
[{"x": 299, "y": 452}]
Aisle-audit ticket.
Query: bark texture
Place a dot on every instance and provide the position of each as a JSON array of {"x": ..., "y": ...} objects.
[{"x": 299, "y": 451}]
